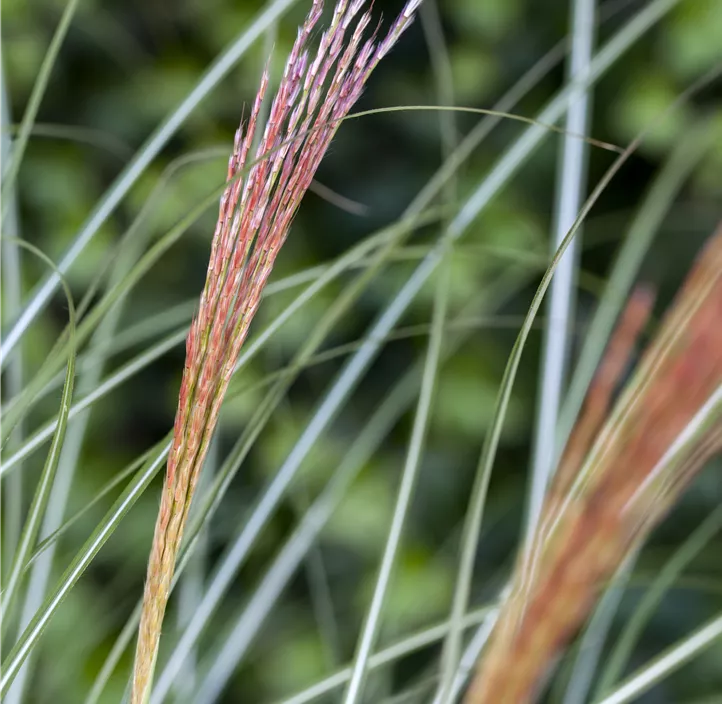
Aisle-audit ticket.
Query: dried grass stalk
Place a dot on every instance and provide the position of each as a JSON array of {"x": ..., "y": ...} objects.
[
  {"x": 256, "y": 211},
  {"x": 607, "y": 498}
]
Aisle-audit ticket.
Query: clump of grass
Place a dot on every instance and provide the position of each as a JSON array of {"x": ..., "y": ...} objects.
[
  {"x": 210, "y": 351},
  {"x": 256, "y": 211},
  {"x": 616, "y": 479}
]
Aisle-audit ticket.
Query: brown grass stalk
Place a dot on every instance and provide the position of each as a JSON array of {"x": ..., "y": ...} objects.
[
  {"x": 611, "y": 492},
  {"x": 255, "y": 214}
]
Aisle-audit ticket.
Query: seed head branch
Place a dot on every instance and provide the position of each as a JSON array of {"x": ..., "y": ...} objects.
[
  {"x": 255, "y": 214},
  {"x": 613, "y": 489}
]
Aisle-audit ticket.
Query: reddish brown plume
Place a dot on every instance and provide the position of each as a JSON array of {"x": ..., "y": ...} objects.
[{"x": 616, "y": 480}]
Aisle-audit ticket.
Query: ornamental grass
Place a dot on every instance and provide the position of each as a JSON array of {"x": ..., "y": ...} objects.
[
  {"x": 620, "y": 473},
  {"x": 257, "y": 208}
]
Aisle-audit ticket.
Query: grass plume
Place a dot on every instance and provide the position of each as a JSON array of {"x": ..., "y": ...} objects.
[
  {"x": 616, "y": 480},
  {"x": 256, "y": 211}
]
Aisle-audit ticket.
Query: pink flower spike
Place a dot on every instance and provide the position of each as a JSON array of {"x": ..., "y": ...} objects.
[{"x": 255, "y": 214}]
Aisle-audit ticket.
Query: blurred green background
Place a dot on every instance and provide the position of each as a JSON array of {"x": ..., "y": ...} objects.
[{"x": 124, "y": 66}]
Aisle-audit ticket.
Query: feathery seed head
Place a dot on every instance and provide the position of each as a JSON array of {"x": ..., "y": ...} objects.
[
  {"x": 255, "y": 213},
  {"x": 620, "y": 473}
]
